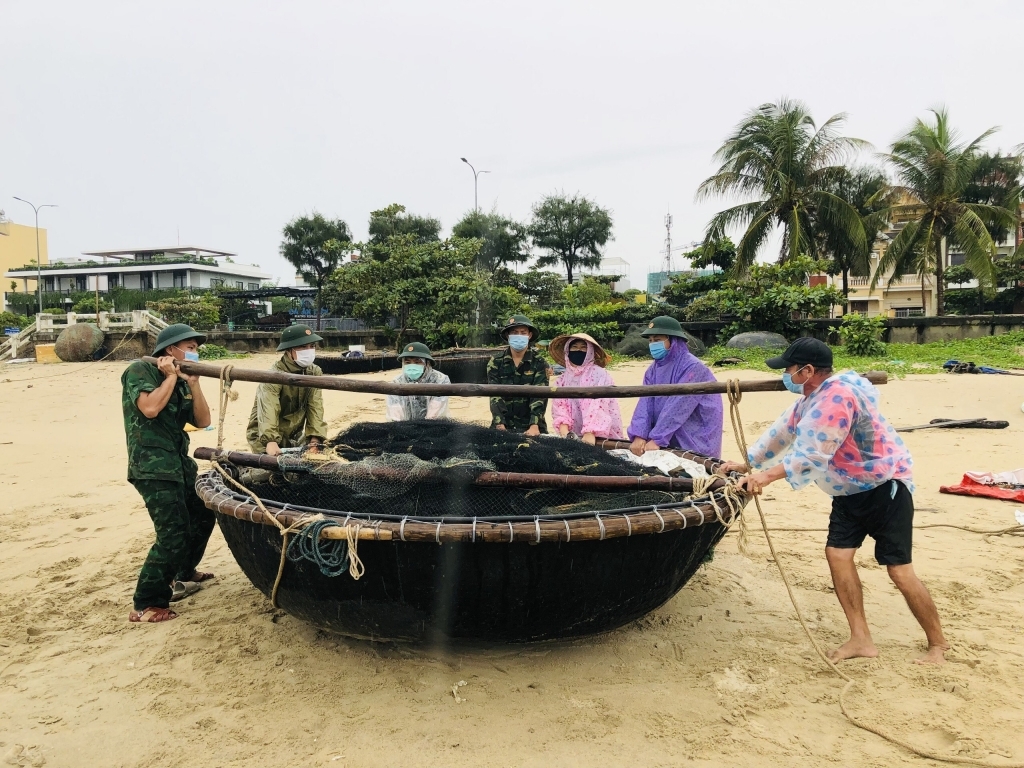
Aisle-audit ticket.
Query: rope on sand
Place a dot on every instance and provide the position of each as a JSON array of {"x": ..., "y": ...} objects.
[{"x": 735, "y": 395}]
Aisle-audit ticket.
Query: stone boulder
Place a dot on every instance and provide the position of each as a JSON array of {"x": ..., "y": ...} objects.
[
  {"x": 79, "y": 343},
  {"x": 635, "y": 345},
  {"x": 763, "y": 339}
]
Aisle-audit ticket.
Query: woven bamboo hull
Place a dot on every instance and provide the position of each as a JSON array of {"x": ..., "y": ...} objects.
[{"x": 514, "y": 592}]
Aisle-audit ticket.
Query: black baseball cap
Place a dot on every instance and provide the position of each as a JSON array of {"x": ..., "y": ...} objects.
[{"x": 803, "y": 351}]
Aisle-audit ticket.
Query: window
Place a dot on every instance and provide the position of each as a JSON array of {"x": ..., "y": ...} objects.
[
  {"x": 47, "y": 283},
  {"x": 181, "y": 279},
  {"x": 239, "y": 284},
  {"x": 143, "y": 256},
  {"x": 113, "y": 280},
  {"x": 216, "y": 282},
  {"x": 81, "y": 283},
  {"x": 145, "y": 282},
  {"x": 254, "y": 286},
  {"x": 858, "y": 307}
]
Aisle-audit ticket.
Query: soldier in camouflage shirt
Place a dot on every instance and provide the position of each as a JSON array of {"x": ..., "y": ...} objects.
[
  {"x": 157, "y": 402},
  {"x": 519, "y": 364}
]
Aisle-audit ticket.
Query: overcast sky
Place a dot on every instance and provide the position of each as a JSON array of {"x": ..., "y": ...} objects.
[{"x": 223, "y": 120}]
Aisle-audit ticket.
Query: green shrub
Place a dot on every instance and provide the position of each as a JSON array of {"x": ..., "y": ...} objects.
[
  {"x": 862, "y": 335},
  {"x": 87, "y": 305},
  {"x": 200, "y": 312},
  {"x": 11, "y": 320},
  {"x": 216, "y": 352}
]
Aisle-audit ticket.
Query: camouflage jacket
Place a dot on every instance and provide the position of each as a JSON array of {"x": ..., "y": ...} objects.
[
  {"x": 286, "y": 415},
  {"x": 519, "y": 413},
  {"x": 157, "y": 447}
]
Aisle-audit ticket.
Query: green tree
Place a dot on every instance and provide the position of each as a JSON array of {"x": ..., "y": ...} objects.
[
  {"x": 572, "y": 230},
  {"x": 431, "y": 287},
  {"x": 869, "y": 193},
  {"x": 393, "y": 221},
  {"x": 504, "y": 240},
  {"x": 538, "y": 288},
  {"x": 779, "y": 157},
  {"x": 936, "y": 170},
  {"x": 720, "y": 254},
  {"x": 769, "y": 297},
  {"x": 587, "y": 292},
  {"x": 314, "y": 245}
]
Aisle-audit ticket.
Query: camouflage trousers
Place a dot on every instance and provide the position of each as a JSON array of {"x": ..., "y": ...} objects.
[{"x": 183, "y": 527}]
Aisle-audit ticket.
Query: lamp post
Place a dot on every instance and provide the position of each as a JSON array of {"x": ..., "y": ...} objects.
[
  {"x": 39, "y": 272},
  {"x": 476, "y": 174}
]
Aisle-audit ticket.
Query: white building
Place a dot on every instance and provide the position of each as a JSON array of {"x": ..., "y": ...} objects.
[
  {"x": 145, "y": 269},
  {"x": 612, "y": 265}
]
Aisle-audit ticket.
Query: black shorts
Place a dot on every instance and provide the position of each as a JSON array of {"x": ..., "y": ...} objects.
[{"x": 888, "y": 519}]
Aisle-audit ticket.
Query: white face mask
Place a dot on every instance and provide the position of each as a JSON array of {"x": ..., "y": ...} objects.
[{"x": 305, "y": 357}]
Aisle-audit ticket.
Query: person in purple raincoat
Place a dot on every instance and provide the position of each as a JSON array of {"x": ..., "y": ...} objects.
[{"x": 690, "y": 422}]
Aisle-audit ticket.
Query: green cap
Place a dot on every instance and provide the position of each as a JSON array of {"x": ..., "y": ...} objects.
[
  {"x": 519, "y": 320},
  {"x": 415, "y": 349},
  {"x": 172, "y": 334},
  {"x": 297, "y": 336},
  {"x": 664, "y": 326}
]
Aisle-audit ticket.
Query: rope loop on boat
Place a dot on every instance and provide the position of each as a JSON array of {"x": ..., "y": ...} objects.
[{"x": 227, "y": 394}]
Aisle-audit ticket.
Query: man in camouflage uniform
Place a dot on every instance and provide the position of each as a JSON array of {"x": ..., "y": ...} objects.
[
  {"x": 157, "y": 402},
  {"x": 518, "y": 363},
  {"x": 284, "y": 416}
]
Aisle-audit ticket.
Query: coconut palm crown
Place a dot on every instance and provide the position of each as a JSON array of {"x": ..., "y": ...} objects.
[
  {"x": 937, "y": 171},
  {"x": 779, "y": 157}
]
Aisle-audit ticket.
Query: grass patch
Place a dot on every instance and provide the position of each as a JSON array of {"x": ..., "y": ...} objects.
[
  {"x": 1003, "y": 351},
  {"x": 217, "y": 352}
]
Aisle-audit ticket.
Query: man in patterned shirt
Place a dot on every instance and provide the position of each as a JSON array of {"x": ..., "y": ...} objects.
[
  {"x": 518, "y": 364},
  {"x": 835, "y": 437}
]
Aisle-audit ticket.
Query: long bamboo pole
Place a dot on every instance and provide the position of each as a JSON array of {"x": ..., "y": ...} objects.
[
  {"x": 483, "y": 390},
  {"x": 491, "y": 479}
]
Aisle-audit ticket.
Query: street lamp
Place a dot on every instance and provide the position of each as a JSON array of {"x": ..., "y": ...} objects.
[
  {"x": 476, "y": 173},
  {"x": 39, "y": 272}
]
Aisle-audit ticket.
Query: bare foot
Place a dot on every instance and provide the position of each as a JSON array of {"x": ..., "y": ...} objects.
[
  {"x": 935, "y": 655},
  {"x": 854, "y": 649}
]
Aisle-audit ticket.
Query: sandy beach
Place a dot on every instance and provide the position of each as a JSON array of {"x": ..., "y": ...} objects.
[{"x": 721, "y": 675}]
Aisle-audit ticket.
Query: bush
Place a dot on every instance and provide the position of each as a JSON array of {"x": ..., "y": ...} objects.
[
  {"x": 862, "y": 335},
  {"x": 200, "y": 312},
  {"x": 87, "y": 305},
  {"x": 216, "y": 352},
  {"x": 11, "y": 320}
]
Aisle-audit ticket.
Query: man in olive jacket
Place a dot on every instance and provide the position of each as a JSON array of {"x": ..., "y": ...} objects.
[
  {"x": 157, "y": 402},
  {"x": 518, "y": 363},
  {"x": 284, "y": 416}
]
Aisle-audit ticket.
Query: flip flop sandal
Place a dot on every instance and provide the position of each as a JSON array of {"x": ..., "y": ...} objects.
[
  {"x": 199, "y": 577},
  {"x": 151, "y": 615},
  {"x": 182, "y": 589}
]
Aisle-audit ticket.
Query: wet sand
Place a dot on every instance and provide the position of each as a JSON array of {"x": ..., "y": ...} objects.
[{"x": 721, "y": 675}]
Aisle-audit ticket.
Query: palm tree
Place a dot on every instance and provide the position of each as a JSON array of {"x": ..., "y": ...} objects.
[
  {"x": 868, "y": 191},
  {"x": 939, "y": 173},
  {"x": 780, "y": 158}
]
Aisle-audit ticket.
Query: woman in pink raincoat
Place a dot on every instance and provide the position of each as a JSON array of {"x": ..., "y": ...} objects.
[{"x": 584, "y": 362}]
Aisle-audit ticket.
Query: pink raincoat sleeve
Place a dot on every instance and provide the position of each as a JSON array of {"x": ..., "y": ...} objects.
[
  {"x": 601, "y": 416},
  {"x": 561, "y": 412}
]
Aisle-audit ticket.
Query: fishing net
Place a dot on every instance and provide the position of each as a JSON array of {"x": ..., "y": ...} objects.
[{"x": 428, "y": 468}]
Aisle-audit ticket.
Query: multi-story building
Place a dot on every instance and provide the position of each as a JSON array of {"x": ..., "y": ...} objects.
[
  {"x": 909, "y": 295},
  {"x": 144, "y": 269},
  {"x": 18, "y": 248}
]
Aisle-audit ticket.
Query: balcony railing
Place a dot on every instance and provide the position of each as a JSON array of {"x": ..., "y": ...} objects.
[{"x": 906, "y": 281}]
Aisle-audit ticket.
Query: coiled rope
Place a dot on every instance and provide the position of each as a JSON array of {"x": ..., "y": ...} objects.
[
  {"x": 735, "y": 395},
  {"x": 331, "y": 556}
]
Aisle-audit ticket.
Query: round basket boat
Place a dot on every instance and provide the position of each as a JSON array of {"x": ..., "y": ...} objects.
[{"x": 512, "y": 578}]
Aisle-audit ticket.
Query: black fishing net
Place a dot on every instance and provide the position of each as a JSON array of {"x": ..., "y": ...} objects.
[{"x": 427, "y": 469}]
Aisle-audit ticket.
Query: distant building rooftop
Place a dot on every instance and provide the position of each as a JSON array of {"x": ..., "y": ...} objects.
[{"x": 183, "y": 250}]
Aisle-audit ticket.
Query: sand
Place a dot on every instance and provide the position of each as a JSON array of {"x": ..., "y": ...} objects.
[{"x": 719, "y": 676}]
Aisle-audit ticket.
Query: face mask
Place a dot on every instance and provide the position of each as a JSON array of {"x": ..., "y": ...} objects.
[
  {"x": 518, "y": 341},
  {"x": 792, "y": 386},
  {"x": 191, "y": 357},
  {"x": 305, "y": 357},
  {"x": 413, "y": 371},
  {"x": 658, "y": 349},
  {"x": 577, "y": 357}
]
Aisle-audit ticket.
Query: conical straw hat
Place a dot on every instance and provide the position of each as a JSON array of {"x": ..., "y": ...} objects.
[{"x": 557, "y": 348}]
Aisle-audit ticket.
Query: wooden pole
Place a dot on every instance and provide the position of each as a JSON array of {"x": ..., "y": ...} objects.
[
  {"x": 484, "y": 390},
  {"x": 493, "y": 479}
]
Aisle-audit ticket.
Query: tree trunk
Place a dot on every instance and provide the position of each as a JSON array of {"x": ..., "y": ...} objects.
[
  {"x": 940, "y": 289},
  {"x": 568, "y": 271},
  {"x": 316, "y": 303},
  {"x": 846, "y": 291}
]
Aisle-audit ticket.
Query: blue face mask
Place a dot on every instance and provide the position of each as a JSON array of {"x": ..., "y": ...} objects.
[
  {"x": 792, "y": 386},
  {"x": 518, "y": 341},
  {"x": 413, "y": 371},
  {"x": 658, "y": 349},
  {"x": 192, "y": 357}
]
